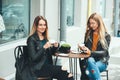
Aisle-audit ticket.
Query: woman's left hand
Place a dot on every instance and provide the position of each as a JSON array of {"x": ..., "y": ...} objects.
[{"x": 56, "y": 44}]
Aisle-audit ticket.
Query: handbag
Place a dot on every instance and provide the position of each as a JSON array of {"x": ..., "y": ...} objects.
[{"x": 23, "y": 70}]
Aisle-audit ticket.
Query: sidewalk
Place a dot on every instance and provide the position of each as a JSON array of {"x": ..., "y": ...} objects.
[{"x": 113, "y": 73}]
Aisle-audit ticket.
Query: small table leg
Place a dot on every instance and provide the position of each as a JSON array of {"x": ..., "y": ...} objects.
[
  {"x": 70, "y": 65},
  {"x": 56, "y": 60},
  {"x": 73, "y": 67}
]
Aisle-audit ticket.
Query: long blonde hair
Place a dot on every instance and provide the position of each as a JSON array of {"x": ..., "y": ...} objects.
[
  {"x": 35, "y": 25},
  {"x": 101, "y": 29}
]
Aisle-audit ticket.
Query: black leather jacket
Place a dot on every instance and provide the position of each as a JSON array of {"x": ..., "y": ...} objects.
[
  {"x": 100, "y": 53},
  {"x": 37, "y": 54}
]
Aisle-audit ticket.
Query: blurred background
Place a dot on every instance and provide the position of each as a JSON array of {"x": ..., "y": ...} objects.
[{"x": 66, "y": 18}]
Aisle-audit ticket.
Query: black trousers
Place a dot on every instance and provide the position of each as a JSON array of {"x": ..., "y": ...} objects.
[
  {"x": 83, "y": 66},
  {"x": 53, "y": 71}
]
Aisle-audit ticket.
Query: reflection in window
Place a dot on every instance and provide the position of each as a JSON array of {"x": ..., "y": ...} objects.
[
  {"x": 70, "y": 12},
  {"x": 15, "y": 14}
]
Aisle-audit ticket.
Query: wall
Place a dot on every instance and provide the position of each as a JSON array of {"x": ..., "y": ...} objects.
[
  {"x": 52, "y": 15},
  {"x": 83, "y": 15},
  {"x": 80, "y": 16},
  {"x": 7, "y": 59},
  {"x": 75, "y": 35},
  {"x": 34, "y": 11}
]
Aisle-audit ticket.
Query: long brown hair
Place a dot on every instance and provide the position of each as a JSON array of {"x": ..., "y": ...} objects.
[
  {"x": 35, "y": 25},
  {"x": 101, "y": 29}
]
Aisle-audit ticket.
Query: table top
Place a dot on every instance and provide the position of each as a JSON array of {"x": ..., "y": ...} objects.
[
  {"x": 78, "y": 55},
  {"x": 73, "y": 55}
]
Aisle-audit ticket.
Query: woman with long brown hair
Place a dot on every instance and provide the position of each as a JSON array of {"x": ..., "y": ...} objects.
[
  {"x": 96, "y": 42},
  {"x": 40, "y": 52}
]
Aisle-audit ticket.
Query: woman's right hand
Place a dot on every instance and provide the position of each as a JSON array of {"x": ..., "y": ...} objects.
[
  {"x": 85, "y": 49},
  {"x": 47, "y": 45}
]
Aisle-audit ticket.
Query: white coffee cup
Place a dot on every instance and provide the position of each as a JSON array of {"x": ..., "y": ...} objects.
[
  {"x": 52, "y": 41},
  {"x": 81, "y": 44}
]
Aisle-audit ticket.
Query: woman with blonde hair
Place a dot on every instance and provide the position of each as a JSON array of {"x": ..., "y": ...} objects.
[
  {"x": 96, "y": 42},
  {"x": 40, "y": 52}
]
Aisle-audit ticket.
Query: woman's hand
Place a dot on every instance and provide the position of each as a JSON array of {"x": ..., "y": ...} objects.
[
  {"x": 85, "y": 49},
  {"x": 56, "y": 44},
  {"x": 47, "y": 45}
]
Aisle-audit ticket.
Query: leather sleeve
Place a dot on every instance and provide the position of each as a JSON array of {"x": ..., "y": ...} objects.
[
  {"x": 35, "y": 52},
  {"x": 102, "y": 52},
  {"x": 98, "y": 53}
]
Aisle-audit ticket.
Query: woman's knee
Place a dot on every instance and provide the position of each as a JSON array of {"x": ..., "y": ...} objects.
[{"x": 91, "y": 60}]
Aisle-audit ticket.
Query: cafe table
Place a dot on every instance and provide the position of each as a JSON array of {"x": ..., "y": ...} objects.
[{"x": 73, "y": 56}]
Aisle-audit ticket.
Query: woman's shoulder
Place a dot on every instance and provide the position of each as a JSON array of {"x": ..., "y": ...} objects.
[
  {"x": 32, "y": 37},
  {"x": 108, "y": 36}
]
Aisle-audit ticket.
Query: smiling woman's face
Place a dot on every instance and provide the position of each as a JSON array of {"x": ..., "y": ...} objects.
[
  {"x": 93, "y": 24},
  {"x": 41, "y": 26}
]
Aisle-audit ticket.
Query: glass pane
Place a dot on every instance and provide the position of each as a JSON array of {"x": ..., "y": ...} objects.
[
  {"x": 102, "y": 7},
  {"x": 15, "y": 15},
  {"x": 70, "y": 12}
]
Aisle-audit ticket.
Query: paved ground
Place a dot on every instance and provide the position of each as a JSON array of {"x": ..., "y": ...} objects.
[
  {"x": 114, "y": 69},
  {"x": 114, "y": 72}
]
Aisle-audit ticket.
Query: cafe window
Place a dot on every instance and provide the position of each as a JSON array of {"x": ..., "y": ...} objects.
[
  {"x": 102, "y": 7},
  {"x": 70, "y": 12},
  {"x": 14, "y": 20}
]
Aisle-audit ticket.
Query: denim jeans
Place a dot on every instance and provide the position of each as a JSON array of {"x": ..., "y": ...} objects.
[{"x": 94, "y": 68}]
